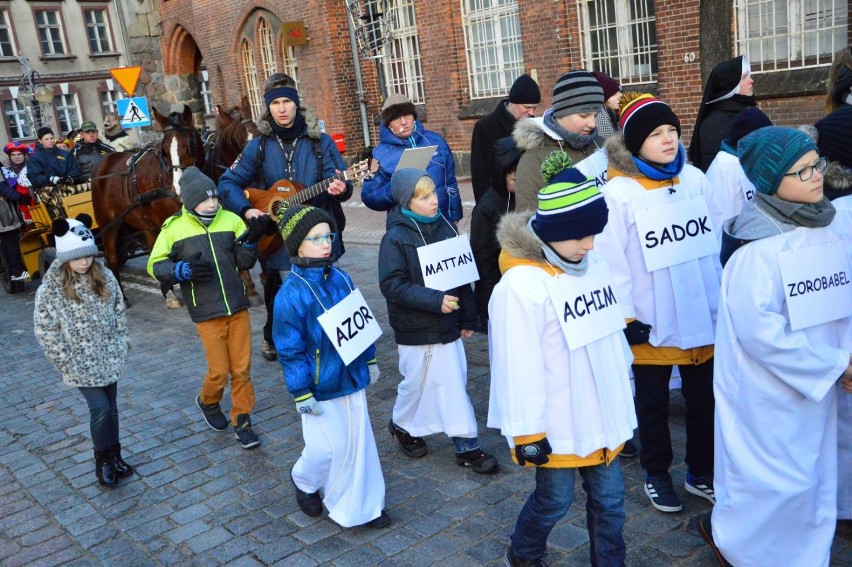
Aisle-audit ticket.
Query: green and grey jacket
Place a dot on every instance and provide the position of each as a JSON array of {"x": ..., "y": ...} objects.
[{"x": 183, "y": 236}]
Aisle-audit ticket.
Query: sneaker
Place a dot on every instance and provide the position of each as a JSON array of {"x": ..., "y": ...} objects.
[
  {"x": 382, "y": 521},
  {"x": 706, "y": 531},
  {"x": 414, "y": 447},
  {"x": 477, "y": 460},
  {"x": 660, "y": 490},
  {"x": 311, "y": 503},
  {"x": 21, "y": 277},
  {"x": 701, "y": 485},
  {"x": 629, "y": 451},
  {"x": 212, "y": 415},
  {"x": 267, "y": 351},
  {"x": 243, "y": 432},
  {"x": 511, "y": 561}
]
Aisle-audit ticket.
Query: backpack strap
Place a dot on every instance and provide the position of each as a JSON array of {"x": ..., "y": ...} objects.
[
  {"x": 315, "y": 143},
  {"x": 258, "y": 163}
]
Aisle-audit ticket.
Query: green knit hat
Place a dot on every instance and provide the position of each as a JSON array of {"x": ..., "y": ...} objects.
[
  {"x": 297, "y": 221},
  {"x": 570, "y": 206}
]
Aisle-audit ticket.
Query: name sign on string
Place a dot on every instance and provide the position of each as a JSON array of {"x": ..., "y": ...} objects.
[
  {"x": 817, "y": 284},
  {"x": 586, "y": 306},
  {"x": 447, "y": 264},
  {"x": 351, "y": 326},
  {"x": 594, "y": 167},
  {"x": 675, "y": 233}
]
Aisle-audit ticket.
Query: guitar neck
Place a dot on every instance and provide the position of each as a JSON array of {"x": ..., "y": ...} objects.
[{"x": 314, "y": 190}]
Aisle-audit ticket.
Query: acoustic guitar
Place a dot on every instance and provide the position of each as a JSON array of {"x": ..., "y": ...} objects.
[{"x": 284, "y": 193}]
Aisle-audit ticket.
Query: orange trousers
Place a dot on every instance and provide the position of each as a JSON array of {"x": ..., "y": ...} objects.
[{"x": 227, "y": 344}]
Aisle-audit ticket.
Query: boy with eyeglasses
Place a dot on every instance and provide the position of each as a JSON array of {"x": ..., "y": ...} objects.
[
  {"x": 203, "y": 248},
  {"x": 340, "y": 456}
]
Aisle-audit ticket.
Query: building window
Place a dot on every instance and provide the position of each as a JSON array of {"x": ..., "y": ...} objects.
[
  {"x": 98, "y": 30},
  {"x": 402, "y": 66},
  {"x": 108, "y": 98},
  {"x": 250, "y": 78},
  {"x": 291, "y": 64},
  {"x": 267, "y": 53},
  {"x": 620, "y": 39},
  {"x": 206, "y": 93},
  {"x": 495, "y": 55},
  {"x": 7, "y": 47},
  {"x": 18, "y": 119},
  {"x": 49, "y": 32},
  {"x": 791, "y": 34},
  {"x": 68, "y": 112}
]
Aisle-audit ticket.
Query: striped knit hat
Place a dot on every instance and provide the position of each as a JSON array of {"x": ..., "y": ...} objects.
[
  {"x": 641, "y": 114},
  {"x": 768, "y": 153},
  {"x": 570, "y": 207},
  {"x": 576, "y": 92},
  {"x": 297, "y": 221}
]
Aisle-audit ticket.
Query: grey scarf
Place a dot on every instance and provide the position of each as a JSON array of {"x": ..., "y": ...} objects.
[
  {"x": 576, "y": 141},
  {"x": 570, "y": 268},
  {"x": 796, "y": 214}
]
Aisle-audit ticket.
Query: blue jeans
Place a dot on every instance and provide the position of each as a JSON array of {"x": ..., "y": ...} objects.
[
  {"x": 103, "y": 415},
  {"x": 465, "y": 444},
  {"x": 554, "y": 492}
]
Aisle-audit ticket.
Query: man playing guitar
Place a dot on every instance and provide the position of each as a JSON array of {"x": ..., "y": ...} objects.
[{"x": 294, "y": 148}]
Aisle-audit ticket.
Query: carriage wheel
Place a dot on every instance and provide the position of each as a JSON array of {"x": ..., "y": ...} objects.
[{"x": 45, "y": 259}]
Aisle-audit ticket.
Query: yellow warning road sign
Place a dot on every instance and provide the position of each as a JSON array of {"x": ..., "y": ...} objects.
[{"x": 127, "y": 77}]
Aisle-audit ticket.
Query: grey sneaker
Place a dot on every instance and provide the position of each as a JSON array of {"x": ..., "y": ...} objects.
[
  {"x": 212, "y": 415},
  {"x": 244, "y": 434}
]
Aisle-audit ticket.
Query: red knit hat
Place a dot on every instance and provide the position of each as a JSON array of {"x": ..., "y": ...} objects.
[{"x": 17, "y": 147}]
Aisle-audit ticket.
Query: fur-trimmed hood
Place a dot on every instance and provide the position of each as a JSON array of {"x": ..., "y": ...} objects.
[
  {"x": 311, "y": 120},
  {"x": 516, "y": 239},
  {"x": 531, "y": 134},
  {"x": 620, "y": 157}
]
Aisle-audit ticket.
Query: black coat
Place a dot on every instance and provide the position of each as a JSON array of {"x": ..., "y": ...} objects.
[
  {"x": 714, "y": 128},
  {"x": 486, "y": 132},
  {"x": 88, "y": 156},
  {"x": 487, "y": 213},
  {"x": 414, "y": 310}
]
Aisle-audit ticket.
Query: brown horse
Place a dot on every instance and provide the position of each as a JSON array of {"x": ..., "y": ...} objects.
[
  {"x": 137, "y": 192},
  {"x": 234, "y": 130}
]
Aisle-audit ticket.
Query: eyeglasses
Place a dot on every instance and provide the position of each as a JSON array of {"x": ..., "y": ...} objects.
[
  {"x": 808, "y": 171},
  {"x": 321, "y": 239}
]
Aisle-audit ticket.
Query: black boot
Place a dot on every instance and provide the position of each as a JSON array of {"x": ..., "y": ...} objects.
[
  {"x": 122, "y": 469},
  {"x": 104, "y": 469}
]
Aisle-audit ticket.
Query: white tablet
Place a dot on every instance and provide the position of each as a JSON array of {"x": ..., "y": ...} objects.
[{"x": 417, "y": 158}]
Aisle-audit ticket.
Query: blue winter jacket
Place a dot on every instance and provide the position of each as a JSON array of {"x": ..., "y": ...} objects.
[
  {"x": 242, "y": 174},
  {"x": 310, "y": 362},
  {"x": 376, "y": 191},
  {"x": 55, "y": 162}
]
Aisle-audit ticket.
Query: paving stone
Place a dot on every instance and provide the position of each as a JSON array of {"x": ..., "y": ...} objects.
[
  {"x": 151, "y": 529},
  {"x": 187, "y": 531},
  {"x": 189, "y": 514},
  {"x": 208, "y": 539},
  {"x": 274, "y": 551}
]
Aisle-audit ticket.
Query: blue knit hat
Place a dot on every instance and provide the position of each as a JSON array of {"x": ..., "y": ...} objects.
[
  {"x": 768, "y": 153},
  {"x": 570, "y": 207},
  {"x": 403, "y": 182}
]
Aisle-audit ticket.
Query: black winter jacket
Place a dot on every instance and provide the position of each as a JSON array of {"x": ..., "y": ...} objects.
[
  {"x": 88, "y": 156},
  {"x": 413, "y": 309},
  {"x": 486, "y": 132},
  {"x": 714, "y": 128},
  {"x": 487, "y": 213}
]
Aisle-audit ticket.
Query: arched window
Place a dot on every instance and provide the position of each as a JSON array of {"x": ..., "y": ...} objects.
[
  {"x": 291, "y": 64},
  {"x": 250, "y": 77},
  {"x": 267, "y": 53}
]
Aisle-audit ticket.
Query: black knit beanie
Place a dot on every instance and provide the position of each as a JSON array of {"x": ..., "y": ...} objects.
[
  {"x": 833, "y": 140},
  {"x": 297, "y": 221},
  {"x": 524, "y": 91}
]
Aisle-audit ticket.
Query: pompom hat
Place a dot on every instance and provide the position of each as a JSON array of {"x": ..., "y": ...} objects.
[
  {"x": 767, "y": 154},
  {"x": 73, "y": 239},
  {"x": 570, "y": 206},
  {"x": 641, "y": 114},
  {"x": 297, "y": 221}
]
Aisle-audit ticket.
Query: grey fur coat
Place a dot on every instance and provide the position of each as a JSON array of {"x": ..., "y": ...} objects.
[{"x": 87, "y": 341}]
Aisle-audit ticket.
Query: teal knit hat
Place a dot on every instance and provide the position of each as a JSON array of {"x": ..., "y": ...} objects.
[{"x": 768, "y": 153}]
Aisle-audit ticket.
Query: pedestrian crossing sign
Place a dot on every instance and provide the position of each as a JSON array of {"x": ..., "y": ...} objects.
[{"x": 134, "y": 112}]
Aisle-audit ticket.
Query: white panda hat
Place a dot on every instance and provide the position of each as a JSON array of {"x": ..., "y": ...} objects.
[{"x": 74, "y": 239}]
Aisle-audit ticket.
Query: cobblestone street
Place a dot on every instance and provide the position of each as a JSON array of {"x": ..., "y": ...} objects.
[{"x": 199, "y": 499}]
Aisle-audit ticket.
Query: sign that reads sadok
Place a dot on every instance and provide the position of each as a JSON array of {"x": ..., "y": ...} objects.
[
  {"x": 675, "y": 233},
  {"x": 447, "y": 264}
]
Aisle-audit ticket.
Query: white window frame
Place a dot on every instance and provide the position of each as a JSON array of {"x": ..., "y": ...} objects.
[
  {"x": 250, "y": 78},
  {"x": 109, "y": 98},
  {"x": 102, "y": 43},
  {"x": 267, "y": 51},
  {"x": 495, "y": 60},
  {"x": 291, "y": 63},
  {"x": 628, "y": 61},
  {"x": 52, "y": 29},
  {"x": 402, "y": 61},
  {"x": 205, "y": 92},
  {"x": 799, "y": 40},
  {"x": 67, "y": 111},
  {"x": 4, "y": 25},
  {"x": 18, "y": 119}
]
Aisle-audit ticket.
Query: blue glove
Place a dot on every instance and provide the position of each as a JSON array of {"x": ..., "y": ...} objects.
[
  {"x": 307, "y": 404},
  {"x": 193, "y": 269}
]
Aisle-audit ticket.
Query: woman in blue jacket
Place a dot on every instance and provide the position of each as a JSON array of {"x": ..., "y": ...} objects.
[{"x": 401, "y": 130}]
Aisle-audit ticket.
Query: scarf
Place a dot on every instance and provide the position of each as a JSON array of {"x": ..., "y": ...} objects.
[
  {"x": 552, "y": 256},
  {"x": 807, "y": 215},
  {"x": 662, "y": 172},
  {"x": 420, "y": 218},
  {"x": 206, "y": 218},
  {"x": 576, "y": 141},
  {"x": 298, "y": 128},
  {"x": 303, "y": 262}
]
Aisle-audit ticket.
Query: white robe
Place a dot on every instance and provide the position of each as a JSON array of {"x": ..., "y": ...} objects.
[
  {"x": 729, "y": 190},
  {"x": 776, "y": 416},
  {"x": 340, "y": 457}
]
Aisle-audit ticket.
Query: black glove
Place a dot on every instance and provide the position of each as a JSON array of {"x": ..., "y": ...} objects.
[
  {"x": 637, "y": 332},
  {"x": 68, "y": 181},
  {"x": 24, "y": 199},
  {"x": 535, "y": 453},
  {"x": 194, "y": 269},
  {"x": 257, "y": 228}
]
